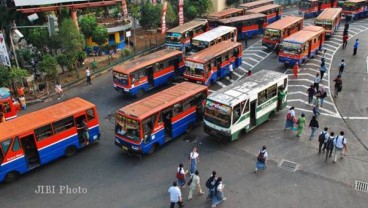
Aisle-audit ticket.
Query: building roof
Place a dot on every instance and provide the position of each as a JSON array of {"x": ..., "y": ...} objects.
[
  {"x": 41, "y": 117},
  {"x": 188, "y": 26},
  {"x": 224, "y": 12},
  {"x": 145, "y": 60},
  {"x": 264, "y": 8},
  {"x": 241, "y": 18},
  {"x": 214, "y": 33},
  {"x": 213, "y": 51},
  {"x": 284, "y": 22},
  {"x": 329, "y": 14},
  {"x": 161, "y": 100}
]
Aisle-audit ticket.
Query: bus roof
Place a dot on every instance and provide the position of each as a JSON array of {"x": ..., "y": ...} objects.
[
  {"x": 264, "y": 8},
  {"x": 213, "y": 51},
  {"x": 329, "y": 14},
  {"x": 146, "y": 60},
  {"x": 224, "y": 12},
  {"x": 41, "y": 117},
  {"x": 355, "y": 1},
  {"x": 284, "y": 22},
  {"x": 302, "y": 36},
  {"x": 253, "y": 3},
  {"x": 188, "y": 26},
  {"x": 314, "y": 28},
  {"x": 161, "y": 100},
  {"x": 241, "y": 18},
  {"x": 214, "y": 33},
  {"x": 240, "y": 90}
]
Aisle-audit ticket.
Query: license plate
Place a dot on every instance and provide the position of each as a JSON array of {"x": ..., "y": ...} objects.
[{"x": 124, "y": 148}]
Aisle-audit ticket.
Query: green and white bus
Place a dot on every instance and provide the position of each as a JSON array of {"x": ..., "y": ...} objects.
[{"x": 245, "y": 104}]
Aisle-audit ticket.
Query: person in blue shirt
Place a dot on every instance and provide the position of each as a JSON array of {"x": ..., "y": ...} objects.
[{"x": 356, "y": 46}]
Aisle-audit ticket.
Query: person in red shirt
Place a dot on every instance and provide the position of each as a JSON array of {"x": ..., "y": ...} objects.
[
  {"x": 296, "y": 69},
  {"x": 345, "y": 38}
]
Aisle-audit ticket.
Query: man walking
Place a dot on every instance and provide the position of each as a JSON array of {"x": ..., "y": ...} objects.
[
  {"x": 330, "y": 145},
  {"x": 317, "y": 80},
  {"x": 88, "y": 76},
  {"x": 323, "y": 69},
  {"x": 195, "y": 185},
  {"x": 311, "y": 92},
  {"x": 175, "y": 195},
  {"x": 344, "y": 41},
  {"x": 341, "y": 67},
  {"x": 356, "y": 46},
  {"x": 338, "y": 85},
  {"x": 322, "y": 139},
  {"x": 340, "y": 146}
]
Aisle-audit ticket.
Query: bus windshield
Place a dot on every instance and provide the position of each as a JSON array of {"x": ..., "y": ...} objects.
[
  {"x": 172, "y": 37},
  {"x": 199, "y": 45},
  {"x": 127, "y": 127},
  {"x": 305, "y": 4},
  {"x": 349, "y": 6},
  {"x": 291, "y": 48},
  {"x": 272, "y": 34},
  {"x": 120, "y": 78},
  {"x": 218, "y": 114}
]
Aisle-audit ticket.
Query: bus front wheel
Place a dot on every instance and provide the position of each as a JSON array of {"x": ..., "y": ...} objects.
[
  {"x": 271, "y": 115},
  {"x": 189, "y": 128},
  {"x": 11, "y": 176},
  {"x": 70, "y": 151},
  {"x": 140, "y": 93},
  {"x": 153, "y": 149}
]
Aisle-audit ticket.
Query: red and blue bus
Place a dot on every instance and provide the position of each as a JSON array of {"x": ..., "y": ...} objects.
[
  {"x": 254, "y": 4},
  {"x": 273, "y": 12},
  {"x": 247, "y": 25},
  {"x": 143, "y": 126},
  {"x": 213, "y": 18},
  {"x": 355, "y": 9},
  {"x": 211, "y": 64},
  {"x": 42, "y": 136},
  {"x": 180, "y": 37},
  {"x": 7, "y": 106},
  {"x": 312, "y": 8},
  {"x": 301, "y": 46},
  {"x": 329, "y": 19},
  {"x": 144, "y": 73}
]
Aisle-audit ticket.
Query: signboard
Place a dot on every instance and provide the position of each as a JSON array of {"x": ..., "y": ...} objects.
[
  {"x": 181, "y": 12},
  {"x": 323, "y": 22},
  {"x": 43, "y": 2},
  {"x": 163, "y": 18},
  {"x": 219, "y": 107},
  {"x": 4, "y": 56},
  {"x": 32, "y": 17},
  {"x": 128, "y": 33},
  {"x": 193, "y": 65}
]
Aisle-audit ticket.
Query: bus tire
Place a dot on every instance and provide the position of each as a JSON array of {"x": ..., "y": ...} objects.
[
  {"x": 70, "y": 151},
  {"x": 189, "y": 128},
  {"x": 153, "y": 149},
  {"x": 140, "y": 93},
  {"x": 271, "y": 115},
  {"x": 11, "y": 176},
  {"x": 169, "y": 80}
]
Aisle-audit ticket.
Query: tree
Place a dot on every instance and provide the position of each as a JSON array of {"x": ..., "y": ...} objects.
[
  {"x": 48, "y": 65},
  {"x": 63, "y": 61},
  {"x": 18, "y": 73},
  {"x": 151, "y": 15},
  {"x": 87, "y": 25},
  {"x": 171, "y": 16},
  {"x": 99, "y": 35},
  {"x": 38, "y": 37},
  {"x": 196, "y": 8},
  {"x": 5, "y": 78}
]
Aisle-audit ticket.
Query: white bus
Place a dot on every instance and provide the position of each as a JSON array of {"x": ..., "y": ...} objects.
[
  {"x": 245, "y": 104},
  {"x": 213, "y": 37}
]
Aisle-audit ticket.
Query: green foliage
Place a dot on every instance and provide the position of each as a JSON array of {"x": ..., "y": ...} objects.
[
  {"x": 126, "y": 52},
  {"x": 70, "y": 38},
  {"x": 87, "y": 25},
  {"x": 5, "y": 78},
  {"x": 196, "y": 8},
  {"x": 18, "y": 73},
  {"x": 100, "y": 35},
  {"x": 48, "y": 65},
  {"x": 135, "y": 10},
  {"x": 171, "y": 16},
  {"x": 62, "y": 60},
  {"x": 151, "y": 15},
  {"x": 38, "y": 37}
]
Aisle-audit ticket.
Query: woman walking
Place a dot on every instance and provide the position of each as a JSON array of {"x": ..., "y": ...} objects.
[
  {"x": 180, "y": 175},
  {"x": 290, "y": 118},
  {"x": 323, "y": 95},
  {"x": 195, "y": 185},
  {"x": 193, "y": 160},
  {"x": 210, "y": 183},
  {"x": 301, "y": 124},
  {"x": 313, "y": 124},
  {"x": 261, "y": 159},
  {"x": 218, "y": 197}
]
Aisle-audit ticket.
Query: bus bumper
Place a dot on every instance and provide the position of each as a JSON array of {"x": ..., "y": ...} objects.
[
  {"x": 217, "y": 134},
  {"x": 288, "y": 61},
  {"x": 268, "y": 45},
  {"x": 128, "y": 148},
  {"x": 121, "y": 90}
]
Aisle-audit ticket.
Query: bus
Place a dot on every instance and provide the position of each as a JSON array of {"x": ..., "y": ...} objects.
[
  {"x": 255, "y": 4},
  {"x": 144, "y": 73},
  {"x": 211, "y": 64},
  {"x": 273, "y": 12},
  {"x": 226, "y": 13},
  {"x": 143, "y": 126},
  {"x": 355, "y": 9},
  {"x": 312, "y": 8},
  {"x": 248, "y": 25},
  {"x": 213, "y": 37},
  {"x": 277, "y": 31},
  {"x": 244, "y": 105},
  {"x": 7, "y": 106},
  {"x": 180, "y": 37},
  {"x": 42, "y": 136},
  {"x": 329, "y": 19},
  {"x": 301, "y": 46}
]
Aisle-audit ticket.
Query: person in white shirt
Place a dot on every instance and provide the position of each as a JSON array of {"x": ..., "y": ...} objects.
[
  {"x": 59, "y": 90},
  {"x": 340, "y": 146},
  {"x": 290, "y": 117},
  {"x": 317, "y": 80},
  {"x": 218, "y": 196},
  {"x": 88, "y": 76},
  {"x": 175, "y": 195},
  {"x": 231, "y": 71},
  {"x": 193, "y": 160}
]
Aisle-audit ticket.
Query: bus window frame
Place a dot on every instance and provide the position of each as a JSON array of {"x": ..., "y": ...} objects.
[
  {"x": 269, "y": 95},
  {"x": 48, "y": 135},
  {"x": 236, "y": 108},
  {"x": 177, "y": 109},
  {"x": 65, "y": 126},
  {"x": 16, "y": 140},
  {"x": 8, "y": 148},
  {"x": 261, "y": 101},
  {"x": 88, "y": 115}
]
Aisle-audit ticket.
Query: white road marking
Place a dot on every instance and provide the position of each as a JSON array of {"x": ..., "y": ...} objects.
[
  {"x": 248, "y": 64},
  {"x": 241, "y": 68},
  {"x": 254, "y": 54},
  {"x": 355, "y": 118},
  {"x": 311, "y": 75},
  {"x": 305, "y": 102},
  {"x": 303, "y": 86},
  {"x": 253, "y": 59},
  {"x": 236, "y": 74},
  {"x": 306, "y": 95},
  {"x": 221, "y": 84},
  {"x": 336, "y": 39},
  {"x": 256, "y": 51},
  {"x": 310, "y": 111}
]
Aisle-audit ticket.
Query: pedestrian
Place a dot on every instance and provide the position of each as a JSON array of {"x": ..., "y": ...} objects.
[
  {"x": 249, "y": 73},
  {"x": 301, "y": 124},
  {"x": 340, "y": 146},
  {"x": 323, "y": 59},
  {"x": 322, "y": 139},
  {"x": 195, "y": 185},
  {"x": 261, "y": 159},
  {"x": 277, "y": 49},
  {"x": 356, "y": 46},
  {"x": 218, "y": 196},
  {"x": 83, "y": 128},
  {"x": 322, "y": 95},
  {"x": 346, "y": 26},
  {"x": 59, "y": 90},
  {"x": 315, "y": 110},
  {"x": 180, "y": 175},
  {"x": 323, "y": 69},
  {"x": 88, "y": 76},
  {"x": 2, "y": 117},
  {"x": 231, "y": 71},
  {"x": 311, "y": 92},
  {"x": 345, "y": 41},
  {"x": 338, "y": 85},
  {"x": 210, "y": 183},
  {"x": 317, "y": 80},
  {"x": 313, "y": 124},
  {"x": 246, "y": 40},
  {"x": 341, "y": 67},
  {"x": 296, "y": 69},
  {"x": 175, "y": 195},
  {"x": 346, "y": 32},
  {"x": 280, "y": 97},
  {"x": 290, "y": 118},
  {"x": 330, "y": 145},
  {"x": 193, "y": 160}
]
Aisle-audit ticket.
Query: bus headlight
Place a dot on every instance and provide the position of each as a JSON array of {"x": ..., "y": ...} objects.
[
  {"x": 136, "y": 147},
  {"x": 117, "y": 141}
]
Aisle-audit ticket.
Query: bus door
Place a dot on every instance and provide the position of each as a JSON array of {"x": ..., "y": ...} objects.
[
  {"x": 29, "y": 147},
  {"x": 320, "y": 42},
  {"x": 175, "y": 63},
  {"x": 310, "y": 45},
  {"x": 166, "y": 117},
  {"x": 78, "y": 122},
  {"x": 332, "y": 3},
  {"x": 260, "y": 25},
  {"x": 253, "y": 119},
  {"x": 149, "y": 73},
  {"x": 219, "y": 62},
  {"x": 319, "y": 6}
]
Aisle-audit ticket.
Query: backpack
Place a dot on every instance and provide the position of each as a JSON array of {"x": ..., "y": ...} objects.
[
  {"x": 260, "y": 157},
  {"x": 209, "y": 183},
  {"x": 322, "y": 137},
  {"x": 330, "y": 143},
  {"x": 288, "y": 116},
  {"x": 342, "y": 66},
  {"x": 179, "y": 175}
]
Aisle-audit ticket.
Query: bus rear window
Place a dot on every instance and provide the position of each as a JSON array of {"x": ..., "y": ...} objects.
[{"x": 90, "y": 114}]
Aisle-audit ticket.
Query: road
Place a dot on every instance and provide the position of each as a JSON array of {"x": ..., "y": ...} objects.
[{"x": 113, "y": 179}]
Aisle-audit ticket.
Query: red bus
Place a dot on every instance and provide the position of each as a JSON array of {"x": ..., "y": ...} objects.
[
  {"x": 141, "y": 74},
  {"x": 7, "y": 106},
  {"x": 355, "y": 9},
  {"x": 301, "y": 46},
  {"x": 143, "y": 126},
  {"x": 213, "y": 18},
  {"x": 273, "y": 12},
  {"x": 42, "y": 136},
  {"x": 277, "y": 31},
  {"x": 211, "y": 64},
  {"x": 312, "y": 8},
  {"x": 329, "y": 19},
  {"x": 255, "y": 4}
]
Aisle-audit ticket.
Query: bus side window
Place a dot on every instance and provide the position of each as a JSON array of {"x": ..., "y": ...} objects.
[
  {"x": 285, "y": 83},
  {"x": 236, "y": 113},
  {"x": 262, "y": 97},
  {"x": 6, "y": 107},
  {"x": 1, "y": 155},
  {"x": 16, "y": 145},
  {"x": 272, "y": 91},
  {"x": 5, "y": 146},
  {"x": 90, "y": 114},
  {"x": 64, "y": 124},
  {"x": 43, "y": 132},
  {"x": 159, "y": 119},
  {"x": 177, "y": 109},
  {"x": 246, "y": 107}
]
